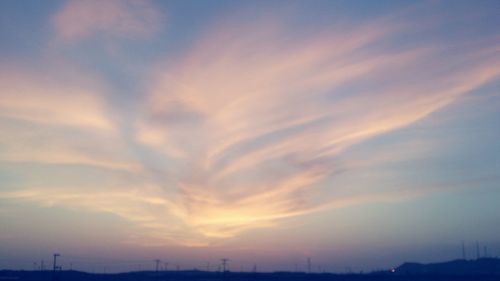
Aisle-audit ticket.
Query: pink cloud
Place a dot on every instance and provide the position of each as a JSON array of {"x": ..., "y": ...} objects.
[
  {"x": 262, "y": 103},
  {"x": 128, "y": 18},
  {"x": 246, "y": 126},
  {"x": 48, "y": 121}
]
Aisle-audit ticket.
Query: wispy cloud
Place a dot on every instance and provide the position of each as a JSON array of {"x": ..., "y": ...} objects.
[
  {"x": 46, "y": 120},
  {"x": 129, "y": 19},
  {"x": 259, "y": 119},
  {"x": 249, "y": 123},
  {"x": 43, "y": 98}
]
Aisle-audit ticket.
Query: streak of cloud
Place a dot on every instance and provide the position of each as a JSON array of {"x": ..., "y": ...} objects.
[
  {"x": 250, "y": 121},
  {"x": 45, "y": 120},
  {"x": 40, "y": 99},
  {"x": 239, "y": 106}
]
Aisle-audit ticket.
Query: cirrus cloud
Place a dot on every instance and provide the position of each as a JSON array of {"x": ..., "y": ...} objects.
[
  {"x": 246, "y": 127},
  {"x": 129, "y": 19}
]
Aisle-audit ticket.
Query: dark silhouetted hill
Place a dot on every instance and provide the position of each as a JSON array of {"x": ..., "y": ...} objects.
[{"x": 483, "y": 266}]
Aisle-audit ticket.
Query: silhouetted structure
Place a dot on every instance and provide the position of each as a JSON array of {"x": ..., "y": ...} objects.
[
  {"x": 157, "y": 268},
  {"x": 54, "y": 266},
  {"x": 224, "y": 264}
]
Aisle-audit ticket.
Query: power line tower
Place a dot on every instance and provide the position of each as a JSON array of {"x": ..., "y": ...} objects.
[
  {"x": 224, "y": 264},
  {"x": 54, "y": 266},
  {"x": 157, "y": 261}
]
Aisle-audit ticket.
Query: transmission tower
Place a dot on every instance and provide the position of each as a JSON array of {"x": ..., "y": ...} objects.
[
  {"x": 157, "y": 261},
  {"x": 224, "y": 264},
  {"x": 54, "y": 266}
]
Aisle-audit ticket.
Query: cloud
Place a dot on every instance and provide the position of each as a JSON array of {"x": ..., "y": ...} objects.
[
  {"x": 128, "y": 19},
  {"x": 37, "y": 98},
  {"x": 45, "y": 120},
  {"x": 266, "y": 114},
  {"x": 246, "y": 128}
]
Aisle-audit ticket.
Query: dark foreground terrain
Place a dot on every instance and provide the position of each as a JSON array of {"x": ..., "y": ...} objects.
[
  {"x": 487, "y": 269},
  {"x": 209, "y": 276}
]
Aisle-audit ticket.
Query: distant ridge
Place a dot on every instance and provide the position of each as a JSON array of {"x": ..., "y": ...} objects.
[{"x": 482, "y": 266}]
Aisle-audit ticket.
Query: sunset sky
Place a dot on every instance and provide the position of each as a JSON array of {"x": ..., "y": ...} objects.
[{"x": 361, "y": 134}]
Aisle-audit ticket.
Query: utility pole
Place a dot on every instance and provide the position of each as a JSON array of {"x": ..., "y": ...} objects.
[
  {"x": 224, "y": 264},
  {"x": 463, "y": 251}
]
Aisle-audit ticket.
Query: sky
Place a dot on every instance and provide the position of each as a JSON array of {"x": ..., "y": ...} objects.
[{"x": 360, "y": 134}]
